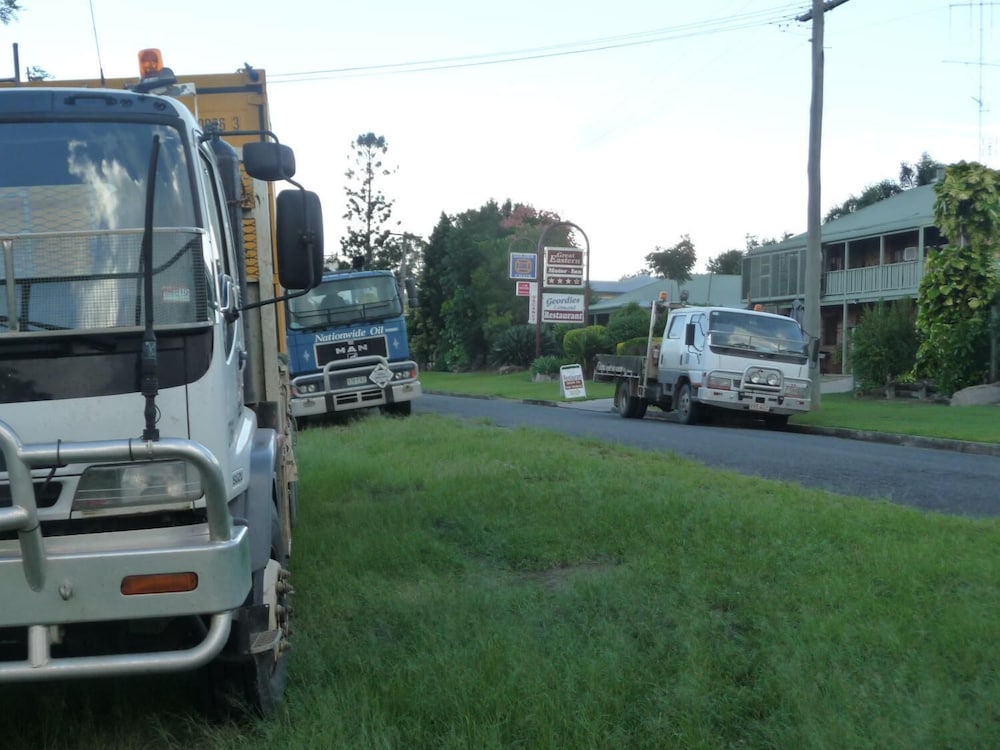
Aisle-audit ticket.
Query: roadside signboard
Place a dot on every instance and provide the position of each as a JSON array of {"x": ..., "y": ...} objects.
[
  {"x": 524, "y": 288},
  {"x": 564, "y": 267},
  {"x": 532, "y": 302},
  {"x": 562, "y": 308},
  {"x": 523, "y": 266},
  {"x": 571, "y": 381}
]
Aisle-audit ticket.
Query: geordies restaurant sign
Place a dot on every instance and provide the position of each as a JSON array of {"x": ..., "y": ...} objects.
[{"x": 562, "y": 308}]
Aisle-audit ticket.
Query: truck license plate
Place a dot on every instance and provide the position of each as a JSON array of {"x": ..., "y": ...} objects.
[
  {"x": 358, "y": 380},
  {"x": 757, "y": 406}
]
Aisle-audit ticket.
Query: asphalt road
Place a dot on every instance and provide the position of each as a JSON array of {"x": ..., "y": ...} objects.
[{"x": 931, "y": 479}]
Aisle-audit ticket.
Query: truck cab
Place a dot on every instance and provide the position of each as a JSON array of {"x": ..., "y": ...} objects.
[
  {"x": 348, "y": 346},
  {"x": 740, "y": 360},
  {"x": 143, "y": 494}
]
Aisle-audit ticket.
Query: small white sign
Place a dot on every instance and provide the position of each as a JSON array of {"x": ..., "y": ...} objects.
[
  {"x": 571, "y": 381},
  {"x": 381, "y": 375}
]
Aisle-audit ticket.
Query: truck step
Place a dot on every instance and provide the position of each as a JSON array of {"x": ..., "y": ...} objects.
[{"x": 266, "y": 640}]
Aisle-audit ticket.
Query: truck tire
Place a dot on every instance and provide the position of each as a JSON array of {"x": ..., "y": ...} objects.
[
  {"x": 776, "y": 421},
  {"x": 627, "y": 405},
  {"x": 255, "y": 683},
  {"x": 399, "y": 409},
  {"x": 687, "y": 408},
  {"x": 267, "y": 674}
]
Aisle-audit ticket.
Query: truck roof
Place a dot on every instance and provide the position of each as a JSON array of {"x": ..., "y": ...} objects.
[
  {"x": 710, "y": 308},
  {"x": 61, "y": 100}
]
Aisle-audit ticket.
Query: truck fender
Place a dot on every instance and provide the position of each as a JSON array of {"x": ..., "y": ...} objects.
[{"x": 254, "y": 507}]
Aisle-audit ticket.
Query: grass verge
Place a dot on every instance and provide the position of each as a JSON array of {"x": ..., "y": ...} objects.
[{"x": 494, "y": 588}]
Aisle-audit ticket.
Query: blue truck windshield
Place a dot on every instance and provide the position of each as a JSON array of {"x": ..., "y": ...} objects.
[
  {"x": 72, "y": 205},
  {"x": 345, "y": 300}
]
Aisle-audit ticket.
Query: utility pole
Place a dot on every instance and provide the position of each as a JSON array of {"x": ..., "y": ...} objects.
[{"x": 812, "y": 319}]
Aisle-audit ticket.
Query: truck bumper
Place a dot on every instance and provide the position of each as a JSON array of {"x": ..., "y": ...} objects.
[
  {"x": 84, "y": 585},
  {"x": 341, "y": 401},
  {"x": 360, "y": 383},
  {"x": 753, "y": 403},
  {"x": 56, "y": 585}
]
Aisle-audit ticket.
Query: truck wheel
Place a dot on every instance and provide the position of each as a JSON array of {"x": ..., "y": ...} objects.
[
  {"x": 627, "y": 405},
  {"x": 399, "y": 409},
  {"x": 687, "y": 407},
  {"x": 776, "y": 421},
  {"x": 255, "y": 683}
]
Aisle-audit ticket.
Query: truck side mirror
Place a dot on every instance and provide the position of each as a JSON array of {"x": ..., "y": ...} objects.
[
  {"x": 814, "y": 350},
  {"x": 689, "y": 334},
  {"x": 300, "y": 239},
  {"x": 269, "y": 161},
  {"x": 411, "y": 293}
]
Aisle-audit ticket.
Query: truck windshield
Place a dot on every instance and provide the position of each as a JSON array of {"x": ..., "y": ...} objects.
[
  {"x": 343, "y": 301},
  {"x": 72, "y": 202},
  {"x": 757, "y": 333}
]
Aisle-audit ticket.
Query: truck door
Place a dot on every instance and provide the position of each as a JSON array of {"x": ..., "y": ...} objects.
[{"x": 672, "y": 348}]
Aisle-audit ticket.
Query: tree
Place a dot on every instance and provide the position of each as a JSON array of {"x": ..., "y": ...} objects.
[
  {"x": 467, "y": 302},
  {"x": 8, "y": 10},
  {"x": 38, "y": 73},
  {"x": 729, "y": 262},
  {"x": 368, "y": 210},
  {"x": 910, "y": 176},
  {"x": 674, "y": 262},
  {"x": 924, "y": 172},
  {"x": 960, "y": 280}
]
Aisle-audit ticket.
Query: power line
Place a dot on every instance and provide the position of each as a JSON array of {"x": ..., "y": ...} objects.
[{"x": 736, "y": 22}]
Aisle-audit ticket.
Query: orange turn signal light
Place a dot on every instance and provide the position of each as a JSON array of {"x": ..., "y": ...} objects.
[{"x": 159, "y": 583}]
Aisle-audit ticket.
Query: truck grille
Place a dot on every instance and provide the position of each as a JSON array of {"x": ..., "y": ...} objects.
[{"x": 347, "y": 349}]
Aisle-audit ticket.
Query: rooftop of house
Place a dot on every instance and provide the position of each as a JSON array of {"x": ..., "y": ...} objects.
[
  {"x": 715, "y": 289},
  {"x": 907, "y": 210}
]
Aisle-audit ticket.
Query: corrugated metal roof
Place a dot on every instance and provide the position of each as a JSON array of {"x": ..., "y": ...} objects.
[
  {"x": 908, "y": 210},
  {"x": 717, "y": 289},
  {"x": 622, "y": 286}
]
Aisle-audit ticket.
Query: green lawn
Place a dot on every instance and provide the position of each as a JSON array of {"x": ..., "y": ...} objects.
[{"x": 460, "y": 585}]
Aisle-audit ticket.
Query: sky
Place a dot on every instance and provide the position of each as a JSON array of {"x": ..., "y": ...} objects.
[{"x": 639, "y": 121}]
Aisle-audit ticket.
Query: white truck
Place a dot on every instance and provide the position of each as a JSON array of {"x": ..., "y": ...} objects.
[
  {"x": 715, "y": 358},
  {"x": 147, "y": 482}
]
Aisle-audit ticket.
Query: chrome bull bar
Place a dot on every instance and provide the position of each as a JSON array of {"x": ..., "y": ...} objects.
[{"x": 22, "y": 516}]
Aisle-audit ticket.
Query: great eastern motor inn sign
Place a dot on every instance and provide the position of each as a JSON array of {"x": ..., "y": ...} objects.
[{"x": 564, "y": 267}]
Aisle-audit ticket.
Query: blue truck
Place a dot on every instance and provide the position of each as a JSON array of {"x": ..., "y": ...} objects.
[{"x": 348, "y": 347}]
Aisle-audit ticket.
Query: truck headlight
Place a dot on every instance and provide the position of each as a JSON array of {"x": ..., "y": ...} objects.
[
  {"x": 719, "y": 382},
  {"x": 137, "y": 485},
  {"x": 304, "y": 389},
  {"x": 796, "y": 388},
  {"x": 761, "y": 376}
]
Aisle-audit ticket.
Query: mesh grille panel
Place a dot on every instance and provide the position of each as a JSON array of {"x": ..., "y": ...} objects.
[{"x": 94, "y": 280}]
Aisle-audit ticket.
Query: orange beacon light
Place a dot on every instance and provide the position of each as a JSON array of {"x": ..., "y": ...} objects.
[{"x": 150, "y": 62}]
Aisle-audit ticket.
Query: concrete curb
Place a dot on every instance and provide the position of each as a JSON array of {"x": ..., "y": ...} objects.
[{"x": 892, "y": 438}]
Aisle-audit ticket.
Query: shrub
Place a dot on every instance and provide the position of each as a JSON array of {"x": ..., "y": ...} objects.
[
  {"x": 885, "y": 344},
  {"x": 581, "y": 345},
  {"x": 628, "y": 322},
  {"x": 635, "y": 346},
  {"x": 546, "y": 365},
  {"x": 516, "y": 346}
]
